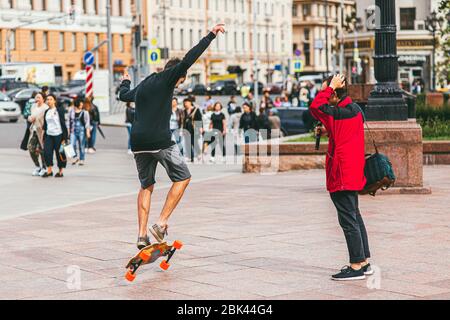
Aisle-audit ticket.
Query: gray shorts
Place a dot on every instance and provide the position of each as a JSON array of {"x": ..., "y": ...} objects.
[{"x": 170, "y": 158}]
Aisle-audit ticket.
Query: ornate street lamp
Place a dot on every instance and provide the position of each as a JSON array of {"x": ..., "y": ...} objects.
[
  {"x": 386, "y": 101},
  {"x": 434, "y": 23}
]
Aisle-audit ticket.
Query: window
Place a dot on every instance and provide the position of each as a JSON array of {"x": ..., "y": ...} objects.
[
  {"x": 61, "y": 41},
  {"x": 121, "y": 43},
  {"x": 44, "y": 5},
  {"x": 182, "y": 39},
  {"x": 306, "y": 34},
  {"x": 407, "y": 18},
  {"x": 172, "y": 39},
  {"x": 243, "y": 41},
  {"x": 45, "y": 40},
  {"x": 33, "y": 40},
  {"x": 306, "y": 10},
  {"x": 61, "y": 5},
  {"x": 307, "y": 53},
  {"x": 294, "y": 10},
  {"x": 85, "y": 42},
  {"x": 1, "y": 39},
  {"x": 120, "y": 8},
  {"x": 235, "y": 41},
  {"x": 74, "y": 41},
  {"x": 191, "y": 38},
  {"x": 96, "y": 39},
  {"x": 96, "y": 6},
  {"x": 84, "y": 9}
]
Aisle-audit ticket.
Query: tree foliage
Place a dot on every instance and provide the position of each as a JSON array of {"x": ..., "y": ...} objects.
[{"x": 444, "y": 65}]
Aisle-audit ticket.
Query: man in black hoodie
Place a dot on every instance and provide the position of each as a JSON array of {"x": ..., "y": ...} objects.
[{"x": 151, "y": 138}]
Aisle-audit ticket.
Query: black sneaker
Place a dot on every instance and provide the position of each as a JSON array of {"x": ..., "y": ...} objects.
[
  {"x": 367, "y": 269},
  {"x": 348, "y": 273},
  {"x": 46, "y": 175},
  {"x": 143, "y": 242},
  {"x": 158, "y": 232},
  {"x": 59, "y": 175}
]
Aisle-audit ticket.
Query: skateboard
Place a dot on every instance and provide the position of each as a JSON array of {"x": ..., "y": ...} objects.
[{"x": 150, "y": 254}]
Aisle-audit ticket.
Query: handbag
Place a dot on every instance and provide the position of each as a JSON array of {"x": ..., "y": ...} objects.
[
  {"x": 378, "y": 169},
  {"x": 68, "y": 150}
]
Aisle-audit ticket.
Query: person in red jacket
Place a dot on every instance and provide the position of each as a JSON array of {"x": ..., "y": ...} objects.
[{"x": 343, "y": 122}]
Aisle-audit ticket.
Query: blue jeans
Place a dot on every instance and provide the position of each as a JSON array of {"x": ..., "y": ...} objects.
[
  {"x": 91, "y": 141},
  {"x": 129, "y": 125},
  {"x": 78, "y": 135}
]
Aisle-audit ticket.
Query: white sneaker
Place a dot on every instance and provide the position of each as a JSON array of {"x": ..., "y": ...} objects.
[
  {"x": 212, "y": 160},
  {"x": 42, "y": 172},
  {"x": 36, "y": 172},
  {"x": 91, "y": 151},
  {"x": 130, "y": 152}
]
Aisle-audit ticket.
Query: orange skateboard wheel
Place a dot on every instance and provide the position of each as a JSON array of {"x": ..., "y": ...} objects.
[
  {"x": 164, "y": 265},
  {"x": 130, "y": 276},
  {"x": 144, "y": 255},
  {"x": 178, "y": 244}
]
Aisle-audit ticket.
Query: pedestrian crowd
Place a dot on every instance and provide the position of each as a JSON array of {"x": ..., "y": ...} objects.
[{"x": 53, "y": 131}]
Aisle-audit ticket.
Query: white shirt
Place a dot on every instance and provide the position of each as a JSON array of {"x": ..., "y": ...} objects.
[{"x": 53, "y": 123}]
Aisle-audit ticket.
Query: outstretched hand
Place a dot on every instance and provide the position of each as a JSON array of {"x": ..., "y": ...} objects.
[
  {"x": 338, "y": 82},
  {"x": 218, "y": 28},
  {"x": 126, "y": 76}
]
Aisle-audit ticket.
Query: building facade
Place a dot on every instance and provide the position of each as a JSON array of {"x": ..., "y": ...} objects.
[
  {"x": 414, "y": 43},
  {"x": 64, "y": 41},
  {"x": 180, "y": 24},
  {"x": 314, "y": 22}
]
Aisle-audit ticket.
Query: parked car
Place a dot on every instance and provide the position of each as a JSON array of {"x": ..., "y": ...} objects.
[
  {"x": 295, "y": 120},
  {"x": 224, "y": 87},
  {"x": 9, "y": 84},
  {"x": 195, "y": 89},
  {"x": 9, "y": 110},
  {"x": 22, "y": 96},
  {"x": 74, "y": 93}
]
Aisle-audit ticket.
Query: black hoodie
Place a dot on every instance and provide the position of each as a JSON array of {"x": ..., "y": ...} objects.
[{"x": 153, "y": 102}]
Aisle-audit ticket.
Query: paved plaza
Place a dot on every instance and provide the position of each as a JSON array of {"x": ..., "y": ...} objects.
[{"x": 245, "y": 236}]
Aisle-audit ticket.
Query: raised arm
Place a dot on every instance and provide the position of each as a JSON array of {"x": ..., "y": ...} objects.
[
  {"x": 180, "y": 70},
  {"x": 320, "y": 107},
  {"x": 126, "y": 94}
]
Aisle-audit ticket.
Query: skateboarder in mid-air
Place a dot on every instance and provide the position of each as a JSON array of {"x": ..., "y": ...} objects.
[{"x": 151, "y": 138}]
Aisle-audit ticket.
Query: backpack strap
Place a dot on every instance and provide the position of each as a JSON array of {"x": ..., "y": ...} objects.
[{"x": 367, "y": 126}]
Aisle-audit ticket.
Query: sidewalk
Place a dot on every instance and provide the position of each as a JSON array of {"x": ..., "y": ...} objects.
[
  {"x": 246, "y": 237},
  {"x": 113, "y": 120}
]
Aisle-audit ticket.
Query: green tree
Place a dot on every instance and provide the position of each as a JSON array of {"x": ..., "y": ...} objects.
[{"x": 444, "y": 65}]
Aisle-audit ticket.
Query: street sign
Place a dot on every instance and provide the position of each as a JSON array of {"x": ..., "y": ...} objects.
[
  {"x": 154, "y": 42},
  {"x": 298, "y": 53},
  {"x": 88, "y": 58},
  {"x": 298, "y": 66},
  {"x": 154, "y": 56}
]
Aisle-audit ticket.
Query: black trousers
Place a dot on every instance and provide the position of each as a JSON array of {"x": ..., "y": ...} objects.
[
  {"x": 52, "y": 144},
  {"x": 220, "y": 142},
  {"x": 346, "y": 203}
]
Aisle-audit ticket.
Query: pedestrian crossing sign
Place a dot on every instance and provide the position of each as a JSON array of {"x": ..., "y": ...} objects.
[
  {"x": 154, "y": 56},
  {"x": 298, "y": 66}
]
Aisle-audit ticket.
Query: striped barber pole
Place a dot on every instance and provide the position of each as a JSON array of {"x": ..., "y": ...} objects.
[{"x": 89, "y": 81}]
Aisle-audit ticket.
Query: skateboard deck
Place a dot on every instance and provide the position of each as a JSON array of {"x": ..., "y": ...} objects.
[{"x": 150, "y": 254}]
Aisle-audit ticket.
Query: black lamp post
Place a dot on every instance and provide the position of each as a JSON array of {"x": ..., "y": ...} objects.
[
  {"x": 386, "y": 101},
  {"x": 433, "y": 24}
]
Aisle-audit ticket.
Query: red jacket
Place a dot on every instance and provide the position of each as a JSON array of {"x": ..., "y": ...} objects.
[{"x": 345, "y": 158}]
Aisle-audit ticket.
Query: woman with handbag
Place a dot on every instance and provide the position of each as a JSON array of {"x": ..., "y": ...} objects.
[
  {"x": 55, "y": 134},
  {"x": 36, "y": 140}
]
